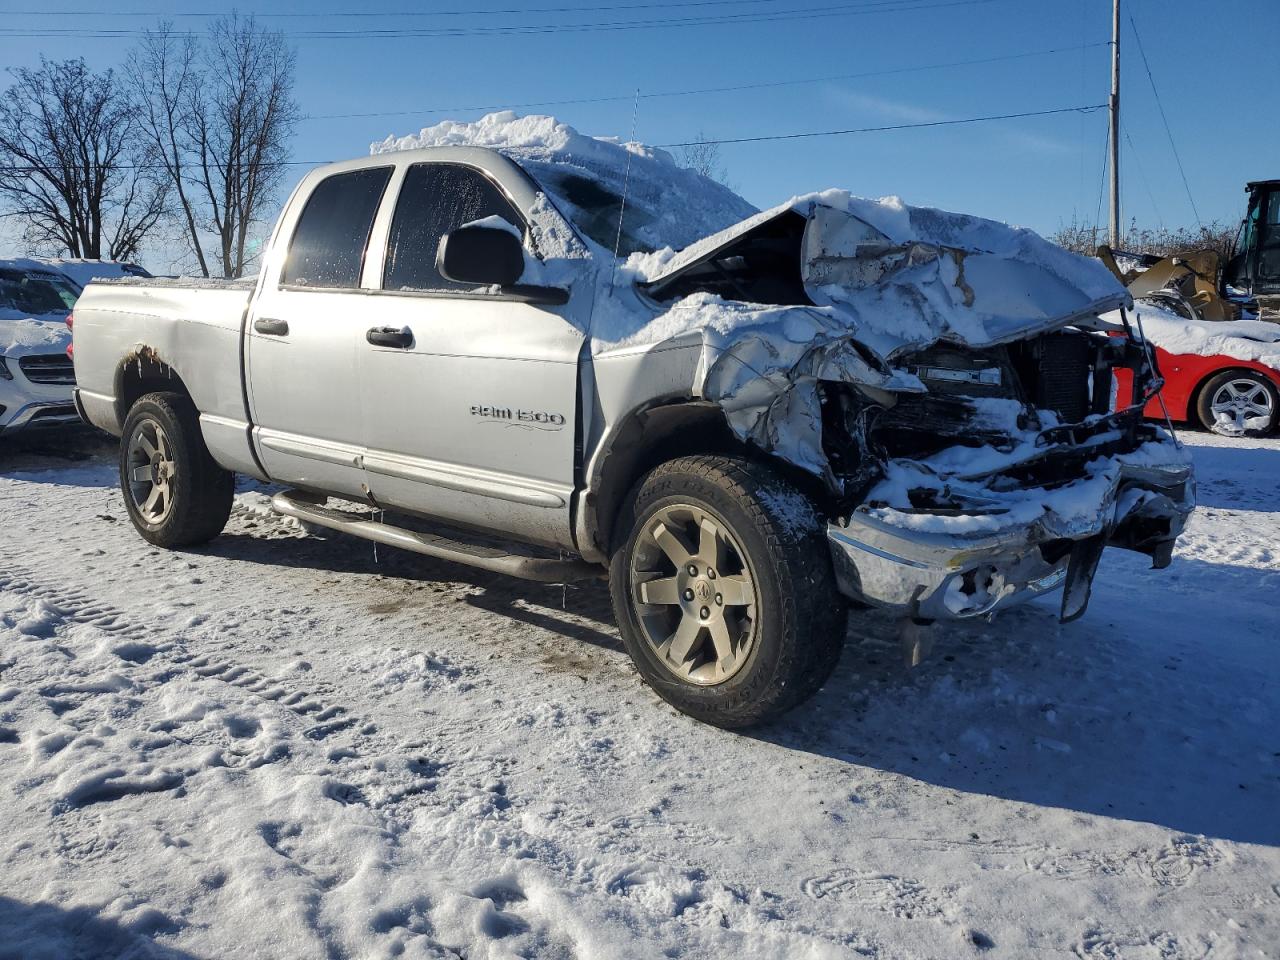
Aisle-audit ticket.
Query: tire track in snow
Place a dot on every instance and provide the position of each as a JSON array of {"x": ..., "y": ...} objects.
[
  {"x": 72, "y": 603},
  {"x": 77, "y": 605}
]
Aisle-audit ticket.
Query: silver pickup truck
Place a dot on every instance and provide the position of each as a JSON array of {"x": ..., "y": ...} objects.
[{"x": 835, "y": 400}]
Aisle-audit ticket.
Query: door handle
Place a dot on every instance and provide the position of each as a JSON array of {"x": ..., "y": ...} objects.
[
  {"x": 272, "y": 328},
  {"x": 390, "y": 337}
]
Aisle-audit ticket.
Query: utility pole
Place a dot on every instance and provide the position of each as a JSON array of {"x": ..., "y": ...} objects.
[{"x": 1115, "y": 124}]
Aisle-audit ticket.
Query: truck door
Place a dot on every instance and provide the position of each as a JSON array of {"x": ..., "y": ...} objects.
[
  {"x": 469, "y": 396},
  {"x": 305, "y": 336}
]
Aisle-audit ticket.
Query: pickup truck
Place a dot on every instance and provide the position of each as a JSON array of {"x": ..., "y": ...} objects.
[{"x": 484, "y": 354}]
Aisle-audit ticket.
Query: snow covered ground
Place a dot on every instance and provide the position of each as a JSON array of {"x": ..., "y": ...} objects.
[{"x": 279, "y": 746}]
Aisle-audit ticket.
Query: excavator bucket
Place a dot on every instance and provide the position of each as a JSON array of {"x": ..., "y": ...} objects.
[{"x": 1186, "y": 283}]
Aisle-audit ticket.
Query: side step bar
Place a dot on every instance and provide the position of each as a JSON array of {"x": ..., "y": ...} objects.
[{"x": 302, "y": 506}]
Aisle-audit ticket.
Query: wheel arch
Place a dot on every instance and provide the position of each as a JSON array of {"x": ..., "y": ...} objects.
[
  {"x": 143, "y": 371},
  {"x": 654, "y": 434}
]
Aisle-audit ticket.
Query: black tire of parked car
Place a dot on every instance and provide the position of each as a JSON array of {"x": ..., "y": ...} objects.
[
  {"x": 799, "y": 619},
  {"x": 1204, "y": 399},
  {"x": 201, "y": 490}
]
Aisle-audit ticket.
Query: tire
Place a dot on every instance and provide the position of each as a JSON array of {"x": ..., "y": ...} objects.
[
  {"x": 162, "y": 433},
  {"x": 782, "y": 615},
  {"x": 1250, "y": 394}
]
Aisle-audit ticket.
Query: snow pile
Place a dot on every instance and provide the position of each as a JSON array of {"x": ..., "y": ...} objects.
[
  {"x": 666, "y": 205},
  {"x": 1254, "y": 340}
]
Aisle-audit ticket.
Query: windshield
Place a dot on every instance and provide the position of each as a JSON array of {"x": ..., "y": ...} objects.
[
  {"x": 36, "y": 294},
  {"x": 595, "y": 210},
  {"x": 666, "y": 206}
]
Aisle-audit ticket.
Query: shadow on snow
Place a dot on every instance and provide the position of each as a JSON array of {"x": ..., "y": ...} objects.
[{"x": 46, "y": 931}]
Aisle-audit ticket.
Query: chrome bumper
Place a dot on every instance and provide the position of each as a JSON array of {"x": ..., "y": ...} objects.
[{"x": 949, "y": 576}]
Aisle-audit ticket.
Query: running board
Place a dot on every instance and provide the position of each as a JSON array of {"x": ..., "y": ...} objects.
[{"x": 302, "y": 506}]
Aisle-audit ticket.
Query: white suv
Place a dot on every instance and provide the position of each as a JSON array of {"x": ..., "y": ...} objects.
[{"x": 36, "y": 375}]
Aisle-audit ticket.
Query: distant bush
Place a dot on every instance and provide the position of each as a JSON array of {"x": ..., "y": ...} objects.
[{"x": 1162, "y": 241}]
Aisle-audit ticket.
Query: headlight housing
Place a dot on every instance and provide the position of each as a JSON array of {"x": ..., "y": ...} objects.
[{"x": 4, "y": 370}]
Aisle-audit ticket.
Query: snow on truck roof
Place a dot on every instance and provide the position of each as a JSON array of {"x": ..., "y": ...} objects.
[{"x": 667, "y": 205}]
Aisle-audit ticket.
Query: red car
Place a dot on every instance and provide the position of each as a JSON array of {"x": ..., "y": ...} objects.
[{"x": 1224, "y": 392}]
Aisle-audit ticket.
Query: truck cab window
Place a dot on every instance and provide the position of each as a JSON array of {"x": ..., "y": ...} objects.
[
  {"x": 328, "y": 244},
  {"x": 437, "y": 198}
]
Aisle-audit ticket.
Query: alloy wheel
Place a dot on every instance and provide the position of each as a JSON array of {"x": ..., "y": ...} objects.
[
  {"x": 1243, "y": 404},
  {"x": 151, "y": 470},
  {"x": 694, "y": 594}
]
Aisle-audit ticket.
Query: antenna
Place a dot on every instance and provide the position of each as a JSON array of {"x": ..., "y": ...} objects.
[{"x": 626, "y": 181}]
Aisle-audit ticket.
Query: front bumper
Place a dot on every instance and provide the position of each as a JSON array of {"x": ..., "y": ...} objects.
[
  {"x": 38, "y": 415},
  {"x": 949, "y": 576}
]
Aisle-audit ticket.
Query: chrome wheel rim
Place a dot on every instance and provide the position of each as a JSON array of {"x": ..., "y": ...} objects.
[
  {"x": 1244, "y": 404},
  {"x": 150, "y": 469},
  {"x": 694, "y": 594}
]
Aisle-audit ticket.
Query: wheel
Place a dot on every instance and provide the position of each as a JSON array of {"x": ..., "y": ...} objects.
[
  {"x": 723, "y": 590},
  {"x": 1238, "y": 403},
  {"x": 175, "y": 492}
]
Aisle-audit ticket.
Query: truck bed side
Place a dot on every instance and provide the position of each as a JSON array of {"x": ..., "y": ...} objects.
[{"x": 137, "y": 336}]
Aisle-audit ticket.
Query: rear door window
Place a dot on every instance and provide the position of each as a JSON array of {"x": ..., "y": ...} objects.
[
  {"x": 435, "y": 199},
  {"x": 327, "y": 250}
]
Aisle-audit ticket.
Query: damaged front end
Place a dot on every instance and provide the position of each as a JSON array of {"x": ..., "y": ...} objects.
[
  {"x": 1009, "y": 477},
  {"x": 949, "y": 381}
]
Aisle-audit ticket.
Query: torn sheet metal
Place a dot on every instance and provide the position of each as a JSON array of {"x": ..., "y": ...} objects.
[
  {"x": 899, "y": 276},
  {"x": 764, "y": 374}
]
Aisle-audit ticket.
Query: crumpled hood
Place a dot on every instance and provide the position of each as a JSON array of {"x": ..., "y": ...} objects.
[
  {"x": 909, "y": 276},
  {"x": 22, "y": 336}
]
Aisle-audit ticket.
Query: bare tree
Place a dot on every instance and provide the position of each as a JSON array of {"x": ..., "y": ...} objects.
[
  {"x": 164, "y": 75},
  {"x": 218, "y": 121},
  {"x": 1161, "y": 242},
  {"x": 703, "y": 156},
  {"x": 71, "y": 171}
]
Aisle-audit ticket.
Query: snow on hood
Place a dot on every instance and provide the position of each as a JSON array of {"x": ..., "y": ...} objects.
[
  {"x": 23, "y": 336},
  {"x": 1255, "y": 340},
  {"x": 666, "y": 205},
  {"x": 83, "y": 271},
  {"x": 908, "y": 276}
]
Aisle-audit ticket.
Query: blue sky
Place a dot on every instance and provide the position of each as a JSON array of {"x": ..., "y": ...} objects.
[{"x": 1215, "y": 66}]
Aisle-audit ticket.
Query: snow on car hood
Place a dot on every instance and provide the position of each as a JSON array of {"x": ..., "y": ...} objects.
[
  {"x": 667, "y": 205},
  {"x": 1256, "y": 340},
  {"x": 908, "y": 276},
  {"x": 22, "y": 336}
]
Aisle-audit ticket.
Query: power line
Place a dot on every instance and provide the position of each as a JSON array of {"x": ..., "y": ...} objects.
[
  {"x": 897, "y": 126},
  {"x": 347, "y": 14},
  {"x": 1168, "y": 132},
  {"x": 781, "y": 136},
  {"x": 706, "y": 90},
  {"x": 807, "y": 13}
]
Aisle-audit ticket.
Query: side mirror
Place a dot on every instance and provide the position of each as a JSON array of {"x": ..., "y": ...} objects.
[
  {"x": 476, "y": 254},
  {"x": 493, "y": 257}
]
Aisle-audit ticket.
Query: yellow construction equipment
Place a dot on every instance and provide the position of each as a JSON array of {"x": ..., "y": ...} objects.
[{"x": 1186, "y": 283}]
